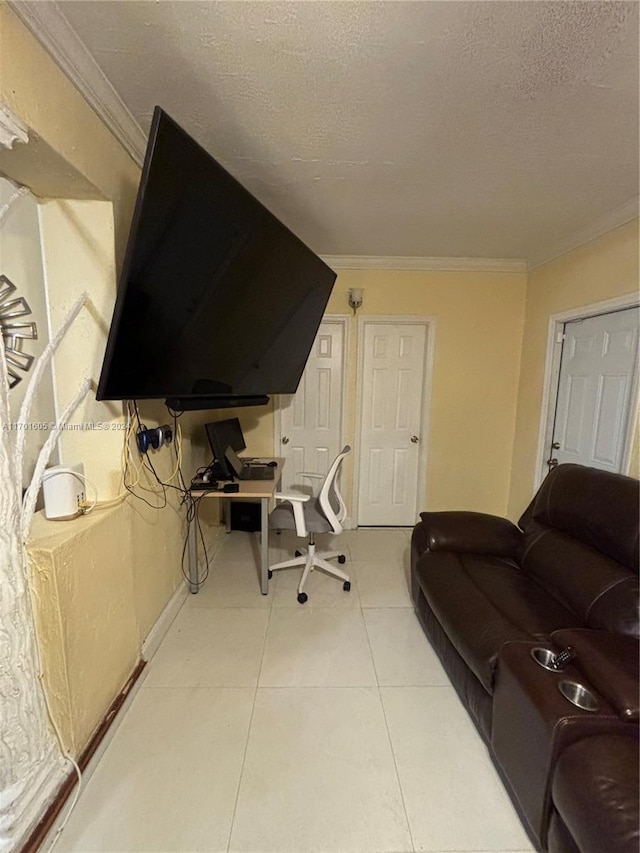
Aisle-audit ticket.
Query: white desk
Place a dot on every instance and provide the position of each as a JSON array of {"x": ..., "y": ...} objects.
[{"x": 249, "y": 490}]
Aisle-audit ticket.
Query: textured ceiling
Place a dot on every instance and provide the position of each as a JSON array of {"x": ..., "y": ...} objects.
[{"x": 468, "y": 129}]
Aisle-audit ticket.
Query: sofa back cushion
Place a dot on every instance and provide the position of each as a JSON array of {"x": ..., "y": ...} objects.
[
  {"x": 598, "y": 590},
  {"x": 597, "y": 508}
]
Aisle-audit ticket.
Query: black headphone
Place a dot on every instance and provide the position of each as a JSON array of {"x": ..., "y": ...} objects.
[{"x": 153, "y": 439}]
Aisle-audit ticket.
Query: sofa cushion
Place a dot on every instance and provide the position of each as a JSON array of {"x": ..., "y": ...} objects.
[
  {"x": 472, "y": 533},
  {"x": 483, "y": 602},
  {"x": 595, "y": 791},
  {"x": 597, "y": 508},
  {"x": 598, "y": 590}
]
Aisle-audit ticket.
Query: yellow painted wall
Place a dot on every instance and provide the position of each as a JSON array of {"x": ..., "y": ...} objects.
[
  {"x": 88, "y": 624},
  {"x": 479, "y": 319},
  {"x": 478, "y": 328},
  {"x": 602, "y": 269},
  {"x": 102, "y": 581}
]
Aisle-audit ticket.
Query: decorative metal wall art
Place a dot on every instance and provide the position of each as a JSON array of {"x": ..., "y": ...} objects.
[{"x": 12, "y": 308}]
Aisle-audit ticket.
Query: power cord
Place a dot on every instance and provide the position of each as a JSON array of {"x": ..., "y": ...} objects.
[
  {"x": 192, "y": 504},
  {"x": 193, "y": 518}
]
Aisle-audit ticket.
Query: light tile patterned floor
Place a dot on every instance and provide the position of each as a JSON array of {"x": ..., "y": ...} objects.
[{"x": 264, "y": 726}]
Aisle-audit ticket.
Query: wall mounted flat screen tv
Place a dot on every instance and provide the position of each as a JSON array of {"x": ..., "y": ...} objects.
[{"x": 218, "y": 302}]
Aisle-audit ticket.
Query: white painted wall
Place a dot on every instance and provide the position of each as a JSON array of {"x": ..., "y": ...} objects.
[{"x": 21, "y": 262}]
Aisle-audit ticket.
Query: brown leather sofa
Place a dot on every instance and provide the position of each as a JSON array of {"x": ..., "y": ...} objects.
[{"x": 488, "y": 593}]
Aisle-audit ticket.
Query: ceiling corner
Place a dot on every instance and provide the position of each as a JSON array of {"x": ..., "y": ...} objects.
[
  {"x": 614, "y": 219},
  {"x": 48, "y": 24}
]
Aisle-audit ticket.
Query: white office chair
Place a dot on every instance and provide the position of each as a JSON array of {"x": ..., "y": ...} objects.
[{"x": 308, "y": 516}]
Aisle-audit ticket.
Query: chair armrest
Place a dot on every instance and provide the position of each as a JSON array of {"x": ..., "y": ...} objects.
[
  {"x": 296, "y": 500},
  {"x": 292, "y": 496},
  {"x": 471, "y": 533}
]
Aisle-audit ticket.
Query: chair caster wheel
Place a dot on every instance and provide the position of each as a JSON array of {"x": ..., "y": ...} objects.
[
  {"x": 302, "y": 597},
  {"x": 342, "y": 558},
  {"x": 269, "y": 574},
  {"x": 346, "y": 586},
  {"x": 298, "y": 553}
]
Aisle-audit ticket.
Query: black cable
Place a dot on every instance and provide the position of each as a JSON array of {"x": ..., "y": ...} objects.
[
  {"x": 204, "y": 547},
  {"x": 175, "y": 416},
  {"x": 130, "y": 488},
  {"x": 140, "y": 498},
  {"x": 192, "y": 515},
  {"x": 186, "y": 498},
  {"x": 150, "y": 467}
]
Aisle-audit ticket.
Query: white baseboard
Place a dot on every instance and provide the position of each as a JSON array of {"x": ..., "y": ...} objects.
[{"x": 163, "y": 623}]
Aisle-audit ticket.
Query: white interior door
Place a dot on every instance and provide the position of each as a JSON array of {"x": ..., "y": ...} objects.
[
  {"x": 392, "y": 393},
  {"x": 595, "y": 390},
  {"x": 311, "y": 419}
]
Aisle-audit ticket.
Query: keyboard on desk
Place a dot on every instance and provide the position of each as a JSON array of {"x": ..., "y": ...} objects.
[
  {"x": 251, "y": 471},
  {"x": 255, "y": 471}
]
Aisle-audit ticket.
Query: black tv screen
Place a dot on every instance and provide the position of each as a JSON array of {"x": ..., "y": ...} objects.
[{"x": 217, "y": 299}]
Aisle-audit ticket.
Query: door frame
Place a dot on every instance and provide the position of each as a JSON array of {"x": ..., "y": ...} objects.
[
  {"x": 429, "y": 321},
  {"x": 344, "y": 321},
  {"x": 552, "y": 375}
]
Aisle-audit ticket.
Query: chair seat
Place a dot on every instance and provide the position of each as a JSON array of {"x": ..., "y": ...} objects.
[{"x": 281, "y": 518}]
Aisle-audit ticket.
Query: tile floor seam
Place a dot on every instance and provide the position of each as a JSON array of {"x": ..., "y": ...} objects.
[
  {"x": 246, "y": 743},
  {"x": 244, "y": 757},
  {"x": 389, "y": 741},
  {"x": 366, "y": 630}
]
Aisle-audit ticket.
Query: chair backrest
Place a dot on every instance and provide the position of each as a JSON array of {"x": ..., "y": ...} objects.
[{"x": 329, "y": 498}]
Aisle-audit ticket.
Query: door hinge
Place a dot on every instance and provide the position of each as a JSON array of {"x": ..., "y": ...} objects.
[{"x": 560, "y": 337}]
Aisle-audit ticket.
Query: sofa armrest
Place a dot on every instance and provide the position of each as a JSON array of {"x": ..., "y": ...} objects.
[
  {"x": 471, "y": 533},
  {"x": 595, "y": 792},
  {"x": 610, "y": 662}
]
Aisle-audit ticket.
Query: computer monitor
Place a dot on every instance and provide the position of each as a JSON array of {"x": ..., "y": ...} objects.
[{"x": 223, "y": 434}]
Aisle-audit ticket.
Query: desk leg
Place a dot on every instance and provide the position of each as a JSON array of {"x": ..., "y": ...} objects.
[
  {"x": 193, "y": 557},
  {"x": 264, "y": 545}
]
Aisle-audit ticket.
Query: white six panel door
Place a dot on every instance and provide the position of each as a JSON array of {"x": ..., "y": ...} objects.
[
  {"x": 311, "y": 420},
  {"x": 595, "y": 390},
  {"x": 392, "y": 379}
]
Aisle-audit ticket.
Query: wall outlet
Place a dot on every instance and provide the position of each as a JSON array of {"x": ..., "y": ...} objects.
[{"x": 63, "y": 487}]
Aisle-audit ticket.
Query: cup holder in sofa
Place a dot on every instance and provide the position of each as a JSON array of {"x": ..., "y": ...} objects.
[
  {"x": 545, "y": 657},
  {"x": 578, "y": 695}
]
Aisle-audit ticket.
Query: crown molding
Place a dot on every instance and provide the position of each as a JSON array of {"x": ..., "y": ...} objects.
[
  {"x": 48, "y": 24},
  {"x": 374, "y": 262},
  {"x": 614, "y": 219}
]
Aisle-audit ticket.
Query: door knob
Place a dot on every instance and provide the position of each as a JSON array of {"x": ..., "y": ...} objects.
[
  {"x": 555, "y": 445},
  {"x": 285, "y": 439},
  {"x": 414, "y": 439},
  {"x": 552, "y": 463}
]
